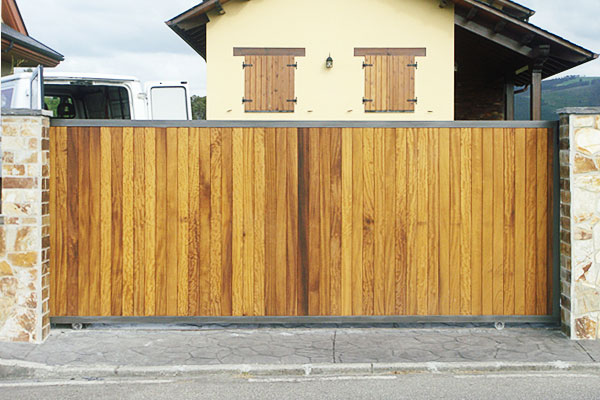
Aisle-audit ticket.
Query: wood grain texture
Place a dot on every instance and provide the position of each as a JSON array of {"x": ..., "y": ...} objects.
[{"x": 311, "y": 221}]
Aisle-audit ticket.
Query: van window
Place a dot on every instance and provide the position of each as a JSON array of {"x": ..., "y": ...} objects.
[
  {"x": 168, "y": 102},
  {"x": 7, "y": 95},
  {"x": 90, "y": 101}
]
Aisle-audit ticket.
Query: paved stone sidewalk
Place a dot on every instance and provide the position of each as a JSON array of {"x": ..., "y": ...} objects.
[{"x": 146, "y": 346}]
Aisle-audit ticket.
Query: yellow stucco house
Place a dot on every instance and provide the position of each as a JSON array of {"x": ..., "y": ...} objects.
[{"x": 371, "y": 60}]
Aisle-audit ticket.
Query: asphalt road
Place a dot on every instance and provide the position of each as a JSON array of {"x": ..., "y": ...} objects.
[{"x": 527, "y": 385}]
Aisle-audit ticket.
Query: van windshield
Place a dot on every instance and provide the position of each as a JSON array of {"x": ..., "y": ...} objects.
[{"x": 87, "y": 101}]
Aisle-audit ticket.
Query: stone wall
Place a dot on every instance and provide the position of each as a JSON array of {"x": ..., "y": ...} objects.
[
  {"x": 24, "y": 233},
  {"x": 580, "y": 222}
]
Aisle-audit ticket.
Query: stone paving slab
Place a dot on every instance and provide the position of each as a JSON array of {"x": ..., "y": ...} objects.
[{"x": 300, "y": 345}]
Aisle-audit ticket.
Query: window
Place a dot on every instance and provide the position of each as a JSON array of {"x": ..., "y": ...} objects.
[
  {"x": 269, "y": 75},
  {"x": 389, "y": 78},
  {"x": 7, "y": 95},
  {"x": 168, "y": 102}
]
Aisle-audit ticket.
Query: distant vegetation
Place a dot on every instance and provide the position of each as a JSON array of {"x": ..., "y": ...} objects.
[
  {"x": 198, "y": 107},
  {"x": 570, "y": 91}
]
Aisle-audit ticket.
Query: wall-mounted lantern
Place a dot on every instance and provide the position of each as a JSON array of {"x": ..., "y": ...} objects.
[{"x": 329, "y": 62}]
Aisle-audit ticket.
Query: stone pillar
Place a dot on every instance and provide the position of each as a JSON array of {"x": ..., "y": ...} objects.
[
  {"x": 580, "y": 222},
  {"x": 25, "y": 229}
]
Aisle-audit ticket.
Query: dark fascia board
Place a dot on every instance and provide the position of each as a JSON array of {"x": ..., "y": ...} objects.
[
  {"x": 515, "y": 7},
  {"x": 30, "y": 43}
]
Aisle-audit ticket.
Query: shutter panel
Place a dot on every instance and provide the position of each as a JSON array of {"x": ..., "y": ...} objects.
[
  {"x": 269, "y": 83},
  {"x": 409, "y": 89},
  {"x": 370, "y": 76},
  {"x": 389, "y": 83},
  {"x": 249, "y": 79},
  {"x": 287, "y": 84}
]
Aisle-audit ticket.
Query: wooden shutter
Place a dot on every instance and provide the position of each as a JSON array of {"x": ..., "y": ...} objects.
[
  {"x": 389, "y": 83},
  {"x": 269, "y": 83}
]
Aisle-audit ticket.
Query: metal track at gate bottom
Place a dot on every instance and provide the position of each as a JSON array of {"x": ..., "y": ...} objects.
[{"x": 367, "y": 320}]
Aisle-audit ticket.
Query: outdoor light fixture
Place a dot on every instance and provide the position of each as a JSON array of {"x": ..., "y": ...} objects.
[{"x": 329, "y": 62}]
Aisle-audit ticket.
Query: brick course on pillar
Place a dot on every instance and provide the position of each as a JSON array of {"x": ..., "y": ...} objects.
[
  {"x": 25, "y": 229},
  {"x": 580, "y": 222}
]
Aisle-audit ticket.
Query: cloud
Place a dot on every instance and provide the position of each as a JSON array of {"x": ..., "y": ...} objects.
[{"x": 130, "y": 37}]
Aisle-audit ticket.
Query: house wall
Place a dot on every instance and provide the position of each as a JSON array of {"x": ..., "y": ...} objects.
[{"x": 317, "y": 25}]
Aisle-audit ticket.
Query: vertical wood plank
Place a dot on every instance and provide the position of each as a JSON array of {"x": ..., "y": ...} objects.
[
  {"x": 248, "y": 229},
  {"x": 226, "y": 220},
  {"x": 325, "y": 221},
  {"x": 433, "y": 272},
  {"x": 150, "y": 220},
  {"x": 422, "y": 223},
  {"x": 281, "y": 224},
  {"x": 194, "y": 222},
  {"x": 542, "y": 222},
  {"x": 487, "y": 273},
  {"x": 303, "y": 220},
  {"x": 357, "y": 221},
  {"x": 172, "y": 222},
  {"x": 465, "y": 226},
  {"x": 117, "y": 220},
  {"x": 379, "y": 213},
  {"x": 127, "y": 214},
  {"x": 509, "y": 221},
  {"x": 216, "y": 156},
  {"x": 336, "y": 221},
  {"x": 105, "y": 220},
  {"x": 204, "y": 288},
  {"x": 161, "y": 222},
  {"x": 83, "y": 231},
  {"x": 498, "y": 223},
  {"x": 72, "y": 267},
  {"x": 401, "y": 222},
  {"x": 182, "y": 215},
  {"x": 292, "y": 220},
  {"x": 368, "y": 221},
  {"x": 389, "y": 223},
  {"x": 138, "y": 200},
  {"x": 455, "y": 221},
  {"x": 271, "y": 221},
  {"x": 237, "y": 222},
  {"x": 95, "y": 223},
  {"x": 531, "y": 218},
  {"x": 412, "y": 221},
  {"x": 520, "y": 223},
  {"x": 476, "y": 221},
  {"x": 259, "y": 221},
  {"x": 444, "y": 253},
  {"x": 314, "y": 243},
  {"x": 346, "y": 215}
]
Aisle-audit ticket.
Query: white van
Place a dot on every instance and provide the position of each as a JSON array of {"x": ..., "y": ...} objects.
[{"x": 95, "y": 96}]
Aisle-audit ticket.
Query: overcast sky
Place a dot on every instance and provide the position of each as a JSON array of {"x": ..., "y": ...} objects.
[{"x": 129, "y": 37}]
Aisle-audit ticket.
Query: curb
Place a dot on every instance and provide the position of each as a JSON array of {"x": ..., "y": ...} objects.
[{"x": 16, "y": 369}]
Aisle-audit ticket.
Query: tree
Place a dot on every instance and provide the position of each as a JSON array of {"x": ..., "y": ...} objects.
[{"x": 198, "y": 107}]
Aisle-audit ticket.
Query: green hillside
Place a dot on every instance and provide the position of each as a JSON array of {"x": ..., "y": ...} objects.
[{"x": 570, "y": 91}]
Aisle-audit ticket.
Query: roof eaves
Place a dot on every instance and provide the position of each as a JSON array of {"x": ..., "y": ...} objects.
[{"x": 30, "y": 43}]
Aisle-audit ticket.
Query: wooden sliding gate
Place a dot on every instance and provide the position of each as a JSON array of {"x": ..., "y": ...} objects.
[{"x": 150, "y": 221}]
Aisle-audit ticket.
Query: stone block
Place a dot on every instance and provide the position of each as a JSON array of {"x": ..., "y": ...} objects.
[
  {"x": 28, "y": 259},
  {"x": 19, "y": 183},
  {"x": 582, "y": 164},
  {"x": 587, "y": 140},
  {"x": 586, "y": 328},
  {"x": 579, "y": 121},
  {"x": 588, "y": 298}
]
